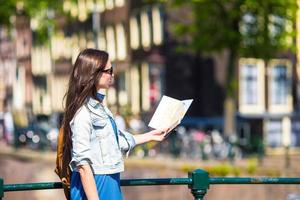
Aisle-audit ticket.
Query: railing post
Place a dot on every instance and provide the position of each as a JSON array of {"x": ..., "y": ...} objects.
[
  {"x": 1, "y": 189},
  {"x": 200, "y": 183}
]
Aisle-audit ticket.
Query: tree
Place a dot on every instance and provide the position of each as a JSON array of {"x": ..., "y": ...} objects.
[
  {"x": 248, "y": 28},
  {"x": 42, "y": 11}
]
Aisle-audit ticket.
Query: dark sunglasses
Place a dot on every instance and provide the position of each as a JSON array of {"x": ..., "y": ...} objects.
[{"x": 109, "y": 71}]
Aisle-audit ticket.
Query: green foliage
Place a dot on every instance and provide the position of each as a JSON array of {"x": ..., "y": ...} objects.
[
  {"x": 252, "y": 166},
  {"x": 215, "y": 170},
  {"x": 249, "y": 28},
  {"x": 43, "y": 11},
  {"x": 7, "y": 7}
]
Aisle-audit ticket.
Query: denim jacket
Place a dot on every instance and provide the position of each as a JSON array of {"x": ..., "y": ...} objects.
[{"x": 94, "y": 140}]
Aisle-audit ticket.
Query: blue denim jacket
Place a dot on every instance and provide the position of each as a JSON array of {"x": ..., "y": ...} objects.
[{"x": 94, "y": 140}]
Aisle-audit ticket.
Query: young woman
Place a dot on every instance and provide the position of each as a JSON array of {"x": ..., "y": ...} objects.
[{"x": 96, "y": 143}]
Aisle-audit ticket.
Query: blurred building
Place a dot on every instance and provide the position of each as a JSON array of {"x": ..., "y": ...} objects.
[
  {"x": 268, "y": 102},
  {"x": 268, "y": 107},
  {"x": 22, "y": 87},
  {"x": 137, "y": 36},
  {"x": 15, "y": 71},
  {"x": 7, "y": 68},
  {"x": 133, "y": 34}
]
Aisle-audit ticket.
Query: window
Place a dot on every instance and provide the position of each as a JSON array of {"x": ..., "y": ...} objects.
[
  {"x": 110, "y": 38},
  {"x": 121, "y": 42},
  {"x": 279, "y": 86},
  {"x": 101, "y": 41},
  {"x": 109, "y": 4},
  {"x": 82, "y": 10},
  {"x": 145, "y": 26},
  {"x": 145, "y": 86},
  {"x": 40, "y": 60},
  {"x": 74, "y": 47},
  {"x": 120, "y": 3},
  {"x": 90, "y": 42},
  {"x": 135, "y": 89},
  {"x": 274, "y": 133},
  {"x": 122, "y": 89},
  {"x": 295, "y": 133},
  {"x": 82, "y": 40},
  {"x": 134, "y": 33},
  {"x": 157, "y": 26},
  {"x": 251, "y": 86},
  {"x": 99, "y": 5}
]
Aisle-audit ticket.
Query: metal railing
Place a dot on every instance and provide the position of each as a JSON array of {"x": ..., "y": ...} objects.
[{"x": 198, "y": 182}]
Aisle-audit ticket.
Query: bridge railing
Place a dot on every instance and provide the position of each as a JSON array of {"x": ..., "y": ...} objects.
[{"x": 198, "y": 182}]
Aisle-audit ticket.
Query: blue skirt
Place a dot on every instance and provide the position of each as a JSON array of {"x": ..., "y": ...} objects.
[{"x": 108, "y": 187}]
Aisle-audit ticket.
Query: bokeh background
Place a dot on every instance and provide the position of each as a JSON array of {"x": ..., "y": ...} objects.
[{"x": 238, "y": 60}]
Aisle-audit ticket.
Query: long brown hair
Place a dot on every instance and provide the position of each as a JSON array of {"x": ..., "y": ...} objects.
[{"x": 82, "y": 84}]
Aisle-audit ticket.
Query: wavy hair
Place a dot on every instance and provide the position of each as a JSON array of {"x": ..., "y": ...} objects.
[{"x": 82, "y": 84}]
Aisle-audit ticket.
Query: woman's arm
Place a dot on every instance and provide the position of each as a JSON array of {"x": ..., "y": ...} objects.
[
  {"x": 155, "y": 135},
  {"x": 88, "y": 182}
]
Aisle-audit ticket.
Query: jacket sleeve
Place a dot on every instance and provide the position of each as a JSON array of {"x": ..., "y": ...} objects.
[
  {"x": 126, "y": 141},
  {"x": 81, "y": 134}
]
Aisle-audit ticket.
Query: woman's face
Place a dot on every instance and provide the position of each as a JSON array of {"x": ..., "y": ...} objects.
[{"x": 106, "y": 78}]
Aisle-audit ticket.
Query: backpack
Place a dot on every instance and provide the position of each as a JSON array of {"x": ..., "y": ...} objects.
[{"x": 63, "y": 158}]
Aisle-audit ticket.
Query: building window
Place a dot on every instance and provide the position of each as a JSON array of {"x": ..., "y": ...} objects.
[
  {"x": 134, "y": 33},
  {"x": 109, "y": 4},
  {"x": 120, "y": 3},
  {"x": 82, "y": 40},
  {"x": 100, "y": 7},
  {"x": 135, "y": 89},
  {"x": 274, "y": 133},
  {"x": 146, "y": 30},
  {"x": 110, "y": 38},
  {"x": 121, "y": 42},
  {"x": 295, "y": 133},
  {"x": 251, "y": 88},
  {"x": 40, "y": 60},
  {"x": 83, "y": 12},
  {"x": 279, "y": 84},
  {"x": 90, "y": 42},
  {"x": 157, "y": 26},
  {"x": 102, "y": 41},
  {"x": 122, "y": 89},
  {"x": 74, "y": 47},
  {"x": 249, "y": 84},
  {"x": 156, "y": 82},
  {"x": 145, "y": 86}
]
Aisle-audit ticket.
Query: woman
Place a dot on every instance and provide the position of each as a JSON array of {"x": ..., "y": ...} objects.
[{"x": 91, "y": 133}]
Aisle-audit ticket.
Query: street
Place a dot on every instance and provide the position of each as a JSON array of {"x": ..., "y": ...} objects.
[{"x": 18, "y": 169}]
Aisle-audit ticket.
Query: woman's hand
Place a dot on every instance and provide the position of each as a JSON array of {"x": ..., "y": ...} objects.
[
  {"x": 154, "y": 135},
  {"x": 158, "y": 135}
]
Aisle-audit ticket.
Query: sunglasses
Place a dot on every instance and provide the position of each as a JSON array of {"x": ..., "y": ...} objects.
[{"x": 109, "y": 71}]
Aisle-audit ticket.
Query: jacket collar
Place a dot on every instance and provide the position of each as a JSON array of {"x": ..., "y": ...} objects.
[
  {"x": 97, "y": 108},
  {"x": 93, "y": 102}
]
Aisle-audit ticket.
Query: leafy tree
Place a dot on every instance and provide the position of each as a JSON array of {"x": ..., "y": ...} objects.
[
  {"x": 250, "y": 28},
  {"x": 43, "y": 11}
]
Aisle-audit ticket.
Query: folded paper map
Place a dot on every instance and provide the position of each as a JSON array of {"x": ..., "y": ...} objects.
[{"x": 169, "y": 113}]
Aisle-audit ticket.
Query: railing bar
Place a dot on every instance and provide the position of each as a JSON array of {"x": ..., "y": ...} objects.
[
  {"x": 124, "y": 182},
  {"x": 259, "y": 180},
  {"x": 31, "y": 186},
  {"x": 163, "y": 181}
]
